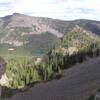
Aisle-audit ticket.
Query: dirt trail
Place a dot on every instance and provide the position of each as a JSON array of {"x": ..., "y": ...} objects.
[{"x": 77, "y": 83}]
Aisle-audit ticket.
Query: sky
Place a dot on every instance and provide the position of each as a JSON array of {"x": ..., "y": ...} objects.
[{"x": 57, "y": 9}]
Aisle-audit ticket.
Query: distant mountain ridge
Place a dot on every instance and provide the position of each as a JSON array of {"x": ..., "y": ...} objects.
[{"x": 20, "y": 30}]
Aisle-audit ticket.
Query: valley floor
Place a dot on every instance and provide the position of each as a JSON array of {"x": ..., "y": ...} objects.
[{"x": 77, "y": 83}]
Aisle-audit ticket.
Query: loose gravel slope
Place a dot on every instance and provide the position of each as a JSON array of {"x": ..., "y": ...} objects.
[{"x": 77, "y": 83}]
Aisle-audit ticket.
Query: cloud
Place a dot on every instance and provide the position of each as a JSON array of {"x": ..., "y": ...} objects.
[
  {"x": 6, "y": 1},
  {"x": 60, "y": 9}
]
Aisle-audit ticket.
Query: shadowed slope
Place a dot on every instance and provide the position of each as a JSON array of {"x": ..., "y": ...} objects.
[{"x": 77, "y": 83}]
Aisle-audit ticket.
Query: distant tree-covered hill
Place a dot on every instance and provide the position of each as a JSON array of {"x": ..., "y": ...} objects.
[{"x": 75, "y": 46}]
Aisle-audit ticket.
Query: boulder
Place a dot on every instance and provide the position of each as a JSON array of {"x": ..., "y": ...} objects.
[
  {"x": 72, "y": 50},
  {"x": 4, "y": 81},
  {"x": 2, "y": 70},
  {"x": 39, "y": 60}
]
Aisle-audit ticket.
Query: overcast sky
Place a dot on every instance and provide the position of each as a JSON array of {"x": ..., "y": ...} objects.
[{"x": 58, "y": 9}]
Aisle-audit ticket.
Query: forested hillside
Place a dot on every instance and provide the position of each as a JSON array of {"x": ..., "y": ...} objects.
[{"x": 74, "y": 47}]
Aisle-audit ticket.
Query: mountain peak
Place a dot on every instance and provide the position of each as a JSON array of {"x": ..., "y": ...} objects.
[{"x": 16, "y": 13}]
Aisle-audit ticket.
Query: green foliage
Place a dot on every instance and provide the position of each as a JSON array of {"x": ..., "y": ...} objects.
[
  {"x": 24, "y": 71},
  {"x": 36, "y": 44},
  {"x": 92, "y": 97},
  {"x": 19, "y": 51},
  {"x": 39, "y": 43},
  {"x": 85, "y": 43}
]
